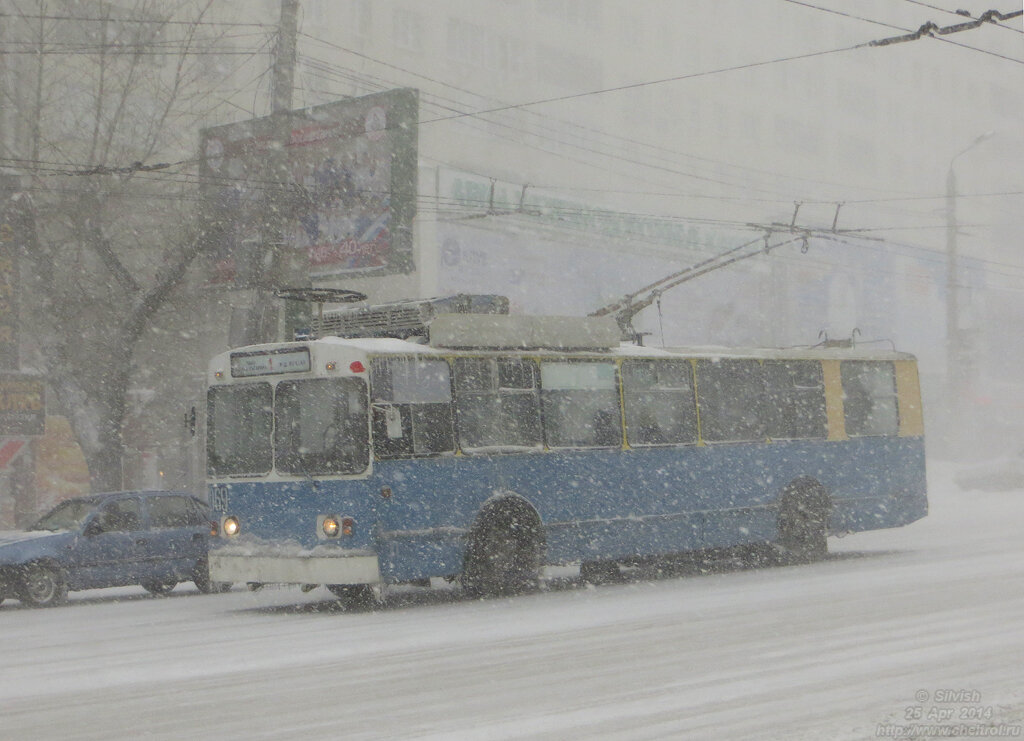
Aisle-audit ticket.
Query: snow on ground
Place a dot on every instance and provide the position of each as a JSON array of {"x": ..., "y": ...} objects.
[{"x": 849, "y": 648}]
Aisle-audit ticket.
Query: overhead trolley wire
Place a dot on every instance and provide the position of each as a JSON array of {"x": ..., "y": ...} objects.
[
  {"x": 929, "y": 29},
  {"x": 632, "y": 160},
  {"x": 961, "y": 13},
  {"x": 461, "y": 113},
  {"x": 556, "y": 138},
  {"x": 124, "y": 19},
  {"x": 647, "y": 83}
]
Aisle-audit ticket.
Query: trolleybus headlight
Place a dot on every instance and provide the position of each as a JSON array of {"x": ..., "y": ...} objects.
[
  {"x": 331, "y": 527},
  {"x": 230, "y": 526}
]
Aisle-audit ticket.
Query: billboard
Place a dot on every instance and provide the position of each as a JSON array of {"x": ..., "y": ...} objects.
[
  {"x": 22, "y": 404},
  {"x": 336, "y": 183}
]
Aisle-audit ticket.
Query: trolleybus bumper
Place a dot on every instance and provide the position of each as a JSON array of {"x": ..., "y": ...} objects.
[{"x": 342, "y": 569}]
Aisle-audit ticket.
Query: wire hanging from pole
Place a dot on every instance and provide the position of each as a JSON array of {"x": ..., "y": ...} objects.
[{"x": 661, "y": 323}]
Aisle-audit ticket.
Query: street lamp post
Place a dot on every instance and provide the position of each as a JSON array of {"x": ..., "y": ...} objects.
[{"x": 956, "y": 360}]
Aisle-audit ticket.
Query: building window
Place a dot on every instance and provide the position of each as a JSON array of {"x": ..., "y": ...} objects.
[
  {"x": 408, "y": 30},
  {"x": 565, "y": 69},
  {"x": 465, "y": 42},
  {"x": 363, "y": 18}
]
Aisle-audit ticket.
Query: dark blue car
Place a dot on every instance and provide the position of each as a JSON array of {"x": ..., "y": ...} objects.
[{"x": 152, "y": 538}]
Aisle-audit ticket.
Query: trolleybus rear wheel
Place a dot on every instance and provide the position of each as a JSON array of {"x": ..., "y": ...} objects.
[
  {"x": 600, "y": 572},
  {"x": 803, "y": 520}
]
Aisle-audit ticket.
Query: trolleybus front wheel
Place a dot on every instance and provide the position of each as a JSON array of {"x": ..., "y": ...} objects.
[
  {"x": 505, "y": 551},
  {"x": 354, "y": 596}
]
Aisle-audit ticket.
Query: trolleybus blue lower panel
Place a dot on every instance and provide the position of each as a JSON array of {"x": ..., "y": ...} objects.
[{"x": 594, "y": 504}]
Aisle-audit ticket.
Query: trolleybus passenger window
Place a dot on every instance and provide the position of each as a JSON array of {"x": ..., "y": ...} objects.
[
  {"x": 412, "y": 407},
  {"x": 321, "y": 426},
  {"x": 581, "y": 404},
  {"x": 732, "y": 400},
  {"x": 660, "y": 406},
  {"x": 796, "y": 399},
  {"x": 238, "y": 436},
  {"x": 869, "y": 398},
  {"x": 497, "y": 403}
]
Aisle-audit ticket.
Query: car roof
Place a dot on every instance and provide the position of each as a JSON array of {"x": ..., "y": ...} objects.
[{"x": 146, "y": 493}]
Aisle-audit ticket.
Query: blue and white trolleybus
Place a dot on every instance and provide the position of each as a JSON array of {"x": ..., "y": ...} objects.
[{"x": 507, "y": 443}]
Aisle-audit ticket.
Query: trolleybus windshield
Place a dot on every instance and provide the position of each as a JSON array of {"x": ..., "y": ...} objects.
[{"x": 307, "y": 427}]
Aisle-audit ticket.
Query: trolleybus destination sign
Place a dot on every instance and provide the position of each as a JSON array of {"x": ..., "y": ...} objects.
[{"x": 268, "y": 363}]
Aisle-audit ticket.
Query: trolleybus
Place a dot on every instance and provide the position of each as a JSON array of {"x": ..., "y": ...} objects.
[{"x": 505, "y": 444}]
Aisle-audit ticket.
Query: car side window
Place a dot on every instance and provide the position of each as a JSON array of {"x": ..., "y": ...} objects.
[
  {"x": 171, "y": 512},
  {"x": 200, "y": 513},
  {"x": 119, "y": 516}
]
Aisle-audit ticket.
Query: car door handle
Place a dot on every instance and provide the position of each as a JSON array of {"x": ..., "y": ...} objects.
[{"x": 141, "y": 541}]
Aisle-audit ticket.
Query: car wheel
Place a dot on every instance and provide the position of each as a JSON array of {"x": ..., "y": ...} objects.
[
  {"x": 213, "y": 587},
  {"x": 159, "y": 587},
  {"x": 201, "y": 578},
  {"x": 43, "y": 585}
]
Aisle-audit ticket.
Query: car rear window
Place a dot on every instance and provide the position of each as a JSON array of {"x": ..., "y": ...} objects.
[{"x": 165, "y": 512}]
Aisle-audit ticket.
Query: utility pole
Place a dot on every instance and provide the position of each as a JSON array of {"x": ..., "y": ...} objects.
[
  {"x": 284, "y": 58},
  {"x": 954, "y": 373},
  {"x": 957, "y": 360},
  {"x": 281, "y": 267}
]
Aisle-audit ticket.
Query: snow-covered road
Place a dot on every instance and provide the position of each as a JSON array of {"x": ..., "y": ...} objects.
[{"x": 850, "y": 648}]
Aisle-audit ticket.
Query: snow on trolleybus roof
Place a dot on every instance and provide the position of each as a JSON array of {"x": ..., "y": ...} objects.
[{"x": 457, "y": 334}]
